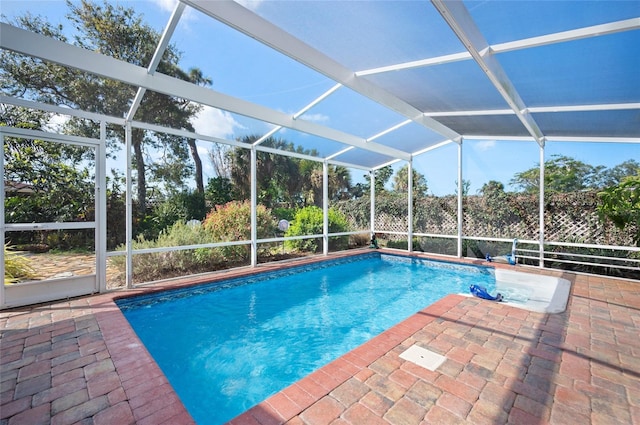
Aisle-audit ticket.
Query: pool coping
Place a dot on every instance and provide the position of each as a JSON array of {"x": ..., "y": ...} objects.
[{"x": 136, "y": 390}]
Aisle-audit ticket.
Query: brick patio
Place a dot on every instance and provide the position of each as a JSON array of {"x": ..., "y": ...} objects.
[{"x": 78, "y": 361}]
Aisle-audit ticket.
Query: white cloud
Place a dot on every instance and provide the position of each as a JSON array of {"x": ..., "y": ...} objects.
[
  {"x": 250, "y": 4},
  {"x": 202, "y": 150},
  {"x": 167, "y": 5},
  {"x": 56, "y": 122},
  {"x": 319, "y": 118},
  {"x": 485, "y": 145},
  {"x": 214, "y": 122}
]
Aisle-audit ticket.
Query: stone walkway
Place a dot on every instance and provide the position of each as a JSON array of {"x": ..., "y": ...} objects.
[
  {"x": 79, "y": 361},
  {"x": 51, "y": 266},
  {"x": 48, "y": 266}
]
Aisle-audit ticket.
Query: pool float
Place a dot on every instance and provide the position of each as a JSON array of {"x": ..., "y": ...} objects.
[{"x": 481, "y": 292}]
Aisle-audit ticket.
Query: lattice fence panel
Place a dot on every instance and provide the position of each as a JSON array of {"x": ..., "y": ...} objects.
[
  {"x": 569, "y": 217},
  {"x": 573, "y": 217},
  {"x": 435, "y": 215},
  {"x": 510, "y": 216}
]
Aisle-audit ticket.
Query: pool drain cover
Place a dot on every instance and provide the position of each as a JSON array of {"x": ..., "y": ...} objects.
[{"x": 423, "y": 357}]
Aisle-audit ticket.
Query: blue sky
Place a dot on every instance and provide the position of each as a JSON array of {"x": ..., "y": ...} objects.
[{"x": 241, "y": 67}]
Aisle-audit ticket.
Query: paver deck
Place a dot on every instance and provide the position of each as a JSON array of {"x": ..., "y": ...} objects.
[{"x": 79, "y": 361}]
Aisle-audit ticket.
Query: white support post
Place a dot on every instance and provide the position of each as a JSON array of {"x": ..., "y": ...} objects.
[
  {"x": 101, "y": 209},
  {"x": 410, "y": 206},
  {"x": 325, "y": 207},
  {"x": 129, "y": 209},
  {"x": 254, "y": 203},
  {"x": 372, "y": 191},
  {"x": 460, "y": 186},
  {"x": 541, "y": 208},
  {"x": 2, "y": 301}
]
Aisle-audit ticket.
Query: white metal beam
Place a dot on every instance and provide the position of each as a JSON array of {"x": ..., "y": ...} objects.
[
  {"x": 386, "y": 164},
  {"x": 482, "y": 112},
  {"x": 389, "y": 130},
  {"x": 430, "y": 148},
  {"x": 577, "y": 139},
  {"x": 564, "y": 36},
  {"x": 410, "y": 206},
  {"x": 319, "y": 99},
  {"x": 48, "y": 49},
  {"x": 101, "y": 209},
  {"x": 460, "y": 207},
  {"x": 247, "y": 22},
  {"x": 254, "y": 207},
  {"x": 268, "y": 134},
  {"x": 541, "y": 233},
  {"x": 593, "y": 139},
  {"x": 60, "y": 110},
  {"x": 348, "y": 165},
  {"x": 559, "y": 37},
  {"x": 340, "y": 152},
  {"x": 372, "y": 201},
  {"x": 325, "y": 208},
  {"x": 157, "y": 56},
  {"x": 52, "y": 137},
  {"x": 128, "y": 208},
  {"x": 460, "y": 21},
  {"x": 300, "y": 112},
  {"x": 191, "y": 135},
  {"x": 586, "y": 108},
  {"x": 438, "y": 60},
  {"x": 2, "y": 221},
  {"x": 539, "y": 109}
]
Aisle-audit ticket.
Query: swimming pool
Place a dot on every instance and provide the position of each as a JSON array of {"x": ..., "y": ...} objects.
[{"x": 228, "y": 345}]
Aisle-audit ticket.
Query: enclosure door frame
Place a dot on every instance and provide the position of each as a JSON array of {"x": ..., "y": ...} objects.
[{"x": 38, "y": 291}]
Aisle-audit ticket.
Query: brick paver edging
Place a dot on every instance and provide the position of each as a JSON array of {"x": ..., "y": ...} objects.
[{"x": 150, "y": 395}]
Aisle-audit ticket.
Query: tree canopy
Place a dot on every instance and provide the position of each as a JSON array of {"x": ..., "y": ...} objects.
[
  {"x": 621, "y": 205},
  {"x": 121, "y": 33},
  {"x": 566, "y": 174},
  {"x": 284, "y": 180},
  {"x": 401, "y": 181}
]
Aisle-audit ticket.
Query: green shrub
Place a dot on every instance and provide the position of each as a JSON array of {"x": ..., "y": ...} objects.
[
  {"x": 160, "y": 265},
  {"x": 232, "y": 222},
  {"x": 280, "y": 213},
  {"x": 621, "y": 205},
  {"x": 402, "y": 244},
  {"x": 166, "y": 213},
  {"x": 309, "y": 221},
  {"x": 182, "y": 206},
  {"x": 16, "y": 266},
  {"x": 436, "y": 245}
]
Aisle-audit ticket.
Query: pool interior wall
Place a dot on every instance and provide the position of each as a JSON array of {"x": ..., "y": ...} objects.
[{"x": 215, "y": 354}]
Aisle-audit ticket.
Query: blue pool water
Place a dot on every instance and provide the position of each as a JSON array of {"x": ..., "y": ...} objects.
[{"x": 227, "y": 346}]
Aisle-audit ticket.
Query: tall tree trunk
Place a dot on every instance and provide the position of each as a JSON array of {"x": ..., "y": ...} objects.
[
  {"x": 196, "y": 159},
  {"x": 136, "y": 141}
]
